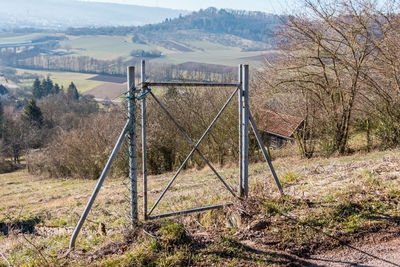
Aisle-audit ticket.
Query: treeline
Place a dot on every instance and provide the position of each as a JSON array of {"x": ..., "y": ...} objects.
[
  {"x": 257, "y": 26},
  {"x": 84, "y": 64},
  {"x": 341, "y": 72}
]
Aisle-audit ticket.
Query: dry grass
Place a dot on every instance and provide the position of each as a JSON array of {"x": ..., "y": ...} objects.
[{"x": 339, "y": 195}]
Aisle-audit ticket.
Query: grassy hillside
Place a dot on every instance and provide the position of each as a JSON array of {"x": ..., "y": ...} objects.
[
  {"x": 101, "y": 47},
  {"x": 328, "y": 203}
]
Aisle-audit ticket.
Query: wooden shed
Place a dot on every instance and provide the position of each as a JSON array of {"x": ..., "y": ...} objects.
[{"x": 277, "y": 129}]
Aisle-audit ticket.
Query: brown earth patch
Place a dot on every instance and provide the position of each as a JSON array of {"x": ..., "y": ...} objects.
[
  {"x": 107, "y": 91},
  {"x": 108, "y": 79}
]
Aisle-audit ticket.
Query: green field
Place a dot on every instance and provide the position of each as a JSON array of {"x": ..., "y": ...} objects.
[
  {"x": 63, "y": 79},
  {"x": 8, "y": 38},
  {"x": 102, "y": 47}
]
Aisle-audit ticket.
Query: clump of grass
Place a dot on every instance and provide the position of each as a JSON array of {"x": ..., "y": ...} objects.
[
  {"x": 369, "y": 178},
  {"x": 173, "y": 234},
  {"x": 171, "y": 247},
  {"x": 289, "y": 177}
]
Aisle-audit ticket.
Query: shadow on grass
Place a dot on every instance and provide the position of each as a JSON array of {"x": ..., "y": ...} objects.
[
  {"x": 236, "y": 250},
  {"x": 383, "y": 217},
  {"x": 343, "y": 243},
  {"x": 26, "y": 226}
]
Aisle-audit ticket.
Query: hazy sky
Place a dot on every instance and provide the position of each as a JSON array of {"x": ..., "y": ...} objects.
[{"x": 269, "y": 6}]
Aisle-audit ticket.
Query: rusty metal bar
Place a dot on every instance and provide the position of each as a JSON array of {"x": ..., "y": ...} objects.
[
  {"x": 189, "y": 211},
  {"x": 265, "y": 153},
  {"x": 189, "y": 84},
  {"x": 98, "y": 185},
  {"x": 144, "y": 151},
  {"x": 194, "y": 148}
]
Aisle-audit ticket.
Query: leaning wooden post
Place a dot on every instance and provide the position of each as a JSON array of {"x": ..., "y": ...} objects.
[
  {"x": 144, "y": 152},
  {"x": 245, "y": 129},
  {"x": 132, "y": 142},
  {"x": 240, "y": 102}
]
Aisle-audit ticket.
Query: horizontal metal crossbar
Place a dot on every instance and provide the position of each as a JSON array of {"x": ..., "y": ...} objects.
[
  {"x": 189, "y": 84},
  {"x": 189, "y": 211}
]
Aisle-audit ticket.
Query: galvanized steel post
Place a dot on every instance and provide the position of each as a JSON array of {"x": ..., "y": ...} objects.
[
  {"x": 245, "y": 129},
  {"x": 144, "y": 152},
  {"x": 240, "y": 95},
  {"x": 132, "y": 142}
]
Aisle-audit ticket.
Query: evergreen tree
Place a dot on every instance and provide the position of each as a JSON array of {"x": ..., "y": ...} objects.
[
  {"x": 37, "y": 89},
  {"x": 33, "y": 114},
  {"x": 56, "y": 89},
  {"x": 47, "y": 86},
  {"x": 72, "y": 92},
  {"x": 3, "y": 90},
  {"x": 43, "y": 85}
]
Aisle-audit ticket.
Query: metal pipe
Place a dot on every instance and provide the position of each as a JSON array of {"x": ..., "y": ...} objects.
[
  {"x": 189, "y": 211},
  {"x": 132, "y": 142},
  {"x": 189, "y": 84},
  {"x": 240, "y": 102},
  {"x": 260, "y": 142},
  {"x": 144, "y": 151},
  {"x": 194, "y": 147},
  {"x": 98, "y": 186},
  {"x": 245, "y": 130}
]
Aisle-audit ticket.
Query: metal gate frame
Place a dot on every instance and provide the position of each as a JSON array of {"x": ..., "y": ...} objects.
[{"x": 245, "y": 117}]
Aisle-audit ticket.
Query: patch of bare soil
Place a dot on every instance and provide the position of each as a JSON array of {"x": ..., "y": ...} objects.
[
  {"x": 108, "y": 78},
  {"x": 107, "y": 91}
]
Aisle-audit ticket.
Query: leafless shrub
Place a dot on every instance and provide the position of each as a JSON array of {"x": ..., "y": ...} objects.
[{"x": 81, "y": 152}]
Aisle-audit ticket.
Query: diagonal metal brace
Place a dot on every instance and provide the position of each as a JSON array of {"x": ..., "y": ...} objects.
[
  {"x": 195, "y": 147},
  {"x": 99, "y": 184},
  {"x": 266, "y": 156}
]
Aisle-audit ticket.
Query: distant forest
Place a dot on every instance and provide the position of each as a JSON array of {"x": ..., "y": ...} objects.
[{"x": 252, "y": 25}]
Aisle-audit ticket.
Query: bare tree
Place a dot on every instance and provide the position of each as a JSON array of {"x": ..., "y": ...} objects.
[{"x": 327, "y": 50}]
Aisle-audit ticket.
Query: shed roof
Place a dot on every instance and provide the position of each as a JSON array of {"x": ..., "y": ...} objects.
[{"x": 278, "y": 123}]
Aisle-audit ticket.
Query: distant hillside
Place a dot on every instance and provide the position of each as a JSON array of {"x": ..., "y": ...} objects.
[
  {"x": 256, "y": 26},
  {"x": 56, "y": 14},
  {"x": 228, "y": 27}
]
